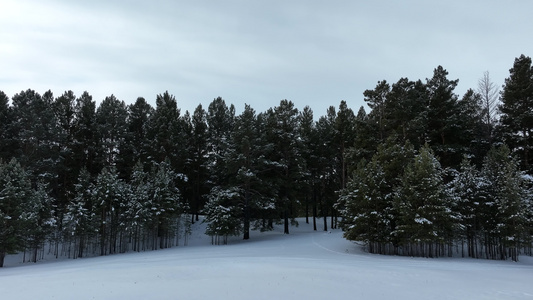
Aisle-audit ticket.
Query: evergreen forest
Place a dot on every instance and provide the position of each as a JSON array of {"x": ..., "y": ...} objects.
[{"x": 425, "y": 172}]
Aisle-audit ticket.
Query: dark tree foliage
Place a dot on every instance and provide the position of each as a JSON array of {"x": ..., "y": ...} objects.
[
  {"x": 6, "y": 138},
  {"x": 198, "y": 171},
  {"x": 328, "y": 164},
  {"x": 439, "y": 201},
  {"x": 35, "y": 130},
  {"x": 473, "y": 206},
  {"x": 507, "y": 205},
  {"x": 246, "y": 162},
  {"x": 344, "y": 136},
  {"x": 85, "y": 134},
  {"x": 165, "y": 132},
  {"x": 80, "y": 219},
  {"x": 425, "y": 222},
  {"x": 67, "y": 166},
  {"x": 309, "y": 139},
  {"x": 16, "y": 209},
  {"x": 223, "y": 215},
  {"x": 413, "y": 176},
  {"x": 365, "y": 141},
  {"x": 473, "y": 141},
  {"x": 366, "y": 206},
  {"x": 136, "y": 146},
  {"x": 516, "y": 110},
  {"x": 376, "y": 99},
  {"x": 220, "y": 121},
  {"x": 111, "y": 128},
  {"x": 283, "y": 141},
  {"x": 404, "y": 112},
  {"x": 367, "y": 203}
]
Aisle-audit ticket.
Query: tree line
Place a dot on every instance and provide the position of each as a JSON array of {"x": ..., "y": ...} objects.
[
  {"x": 423, "y": 173},
  {"x": 436, "y": 175},
  {"x": 86, "y": 179}
]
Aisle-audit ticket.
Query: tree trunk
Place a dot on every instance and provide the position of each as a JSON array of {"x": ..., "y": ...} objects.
[
  {"x": 314, "y": 208},
  {"x": 246, "y": 215},
  {"x": 286, "y": 221},
  {"x": 102, "y": 241},
  {"x": 526, "y": 149},
  {"x": 306, "y": 208},
  {"x": 34, "y": 254},
  {"x": 324, "y": 213},
  {"x": 314, "y": 217},
  {"x": 2, "y": 256}
]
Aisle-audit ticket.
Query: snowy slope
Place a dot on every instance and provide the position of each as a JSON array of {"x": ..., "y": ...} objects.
[{"x": 304, "y": 265}]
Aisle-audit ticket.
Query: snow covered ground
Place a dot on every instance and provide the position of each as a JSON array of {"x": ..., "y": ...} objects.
[{"x": 303, "y": 265}]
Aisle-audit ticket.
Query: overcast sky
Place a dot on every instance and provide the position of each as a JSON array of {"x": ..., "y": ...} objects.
[{"x": 314, "y": 53}]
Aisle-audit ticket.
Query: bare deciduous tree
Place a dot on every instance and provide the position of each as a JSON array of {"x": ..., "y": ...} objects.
[{"x": 489, "y": 95}]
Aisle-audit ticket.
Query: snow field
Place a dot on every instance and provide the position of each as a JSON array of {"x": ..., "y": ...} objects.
[{"x": 302, "y": 265}]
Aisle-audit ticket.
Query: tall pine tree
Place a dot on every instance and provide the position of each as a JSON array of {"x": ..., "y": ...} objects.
[
  {"x": 17, "y": 212},
  {"x": 425, "y": 224},
  {"x": 517, "y": 110}
]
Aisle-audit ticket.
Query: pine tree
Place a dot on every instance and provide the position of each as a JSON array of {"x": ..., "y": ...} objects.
[
  {"x": 42, "y": 222},
  {"x": 328, "y": 160},
  {"x": 198, "y": 159},
  {"x": 80, "y": 223},
  {"x": 223, "y": 216},
  {"x": 269, "y": 169},
  {"x": 393, "y": 157},
  {"x": 507, "y": 191},
  {"x": 442, "y": 117},
  {"x": 471, "y": 141},
  {"x": 426, "y": 224},
  {"x": 138, "y": 209},
  {"x": 344, "y": 137},
  {"x": 367, "y": 204},
  {"x": 366, "y": 140},
  {"x": 67, "y": 167},
  {"x": 17, "y": 211},
  {"x": 85, "y": 135},
  {"x": 309, "y": 146},
  {"x": 136, "y": 146},
  {"x": 516, "y": 110},
  {"x": 220, "y": 120},
  {"x": 165, "y": 132},
  {"x": 469, "y": 190},
  {"x": 166, "y": 205},
  {"x": 246, "y": 164},
  {"x": 34, "y": 128},
  {"x": 107, "y": 207},
  {"x": 377, "y": 101},
  {"x": 5, "y": 120},
  {"x": 284, "y": 137},
  {"x": 406, "y": 111},
  {"x": 111, "y": 125},
  {"x": 366, "y": 207}
]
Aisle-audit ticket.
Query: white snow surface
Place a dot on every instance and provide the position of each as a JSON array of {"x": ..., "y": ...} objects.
[{"x": 302, "y": 265}]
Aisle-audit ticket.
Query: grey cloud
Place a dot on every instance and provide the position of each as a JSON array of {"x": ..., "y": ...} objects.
[{"x": 312, "y": 52}]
